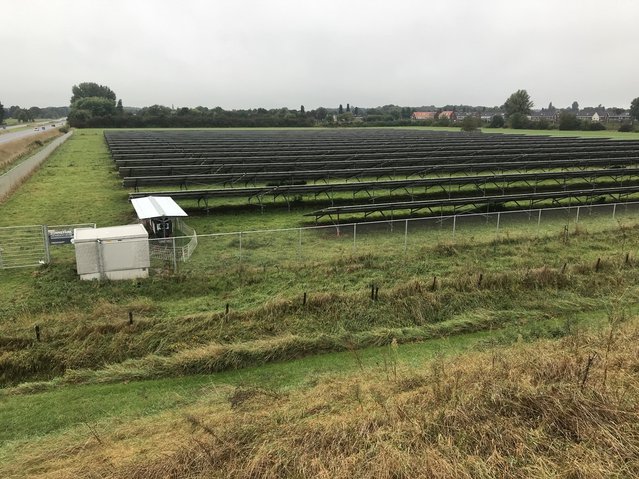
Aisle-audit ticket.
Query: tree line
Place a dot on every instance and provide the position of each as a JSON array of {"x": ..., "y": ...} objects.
[
  {"x": 26, "y": 115},
  {"x": 97, "y": 106}
]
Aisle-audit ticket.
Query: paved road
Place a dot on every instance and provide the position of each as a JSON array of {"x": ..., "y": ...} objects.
[{"x": 7, "y": 137}]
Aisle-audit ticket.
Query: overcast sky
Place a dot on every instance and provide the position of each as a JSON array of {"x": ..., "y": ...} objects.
[{"x": 286, "y": 53}]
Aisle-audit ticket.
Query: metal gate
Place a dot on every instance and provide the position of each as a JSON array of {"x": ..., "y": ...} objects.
[{"x": 22, "y": 246}]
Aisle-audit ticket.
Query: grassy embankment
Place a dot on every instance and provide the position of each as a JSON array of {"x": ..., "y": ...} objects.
[
  {"x": 564, "y": 408},
  {"x": 180, "y": 328}
]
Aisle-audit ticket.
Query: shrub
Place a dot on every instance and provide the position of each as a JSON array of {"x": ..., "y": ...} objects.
[
  {"x": 518, "y": 121},
  {"x": 596, "y": 126},
  {"x": 568, "y": 121},
  {"x": 496, "y": 121},
  {"x": 626, "y": 126},
  {"x": 470, "y": 123}
]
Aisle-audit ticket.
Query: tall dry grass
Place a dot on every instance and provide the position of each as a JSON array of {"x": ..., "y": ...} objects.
[
  {"x": 567, "y": 409},
  {"x": 12, "y": 151}
]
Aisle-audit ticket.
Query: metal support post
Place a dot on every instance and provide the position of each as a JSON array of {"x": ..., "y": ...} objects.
[{"x": 577, "y": 218}]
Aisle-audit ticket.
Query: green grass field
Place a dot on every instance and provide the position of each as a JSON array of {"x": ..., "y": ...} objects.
[{"x": 93, "y": 373}]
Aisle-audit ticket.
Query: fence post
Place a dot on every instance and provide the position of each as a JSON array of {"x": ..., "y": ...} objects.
[
  {"x": 454, "y": 225},
  {"x": 354, "y": 237},
  {"x": 577, "y": 218},
  {"x": 614, "y": 210},
  {"x": 299, "y": 245},
  {"x": 47, "y": 251},
  {"x": 406, "y": 236},
  {"x": 175, "y": 267},
  {"x": 498, "y": 220},
  {"x": 240, "y": 233},
  {"x": 538, "y": 221}
]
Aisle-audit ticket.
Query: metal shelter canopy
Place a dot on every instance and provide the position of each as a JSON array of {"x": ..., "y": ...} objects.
[{"x": 157, "y": 207}]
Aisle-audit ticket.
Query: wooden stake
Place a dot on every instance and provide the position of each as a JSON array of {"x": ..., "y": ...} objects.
[
  {"x": 130, "y": 317},
  {"x": 37, "y": 332}
]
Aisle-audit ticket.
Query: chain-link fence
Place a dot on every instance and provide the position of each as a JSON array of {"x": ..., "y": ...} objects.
[{"x": 303, "y": 247}]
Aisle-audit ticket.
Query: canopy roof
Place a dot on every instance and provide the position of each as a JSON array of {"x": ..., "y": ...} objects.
[{"x": 156, "y": 207}]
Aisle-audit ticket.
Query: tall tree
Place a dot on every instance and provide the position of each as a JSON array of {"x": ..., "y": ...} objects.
[
  {"x": 321, "y": 113},
  {"x": 92, "y": 101},
  {"x": 519, "y": 102},
  {"x": 34, "y": 112},
  {"x": 96, "y": 106},
  {"x": 22, "y": 116},
  {"x": 302, "y": 110},
  {"x": 340, "y": 110},
  {"x": 1, "y": 112},
  {"x": 14, "y": 110},
  {"x": 575, "y": 106},
  {"x": 348, "y": 107},
  {"x": 119, "y": 108},
  {"x": 634, "y": 109},
  {"x": 90, "y": 89}
]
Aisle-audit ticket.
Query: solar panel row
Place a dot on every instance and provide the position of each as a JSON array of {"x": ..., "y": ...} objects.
[{"x": 255, "y": 164}]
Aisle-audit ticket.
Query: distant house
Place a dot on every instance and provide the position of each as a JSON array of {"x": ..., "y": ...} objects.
[
  {"x": 423, "y": 115},
  {"x": 593, "y": 115},
  {"x": 459, "y": 116},
  {"x": 449, "y": 115},
  {"x": 546, "y": 115},
  {"x": 620, "y": 117}
]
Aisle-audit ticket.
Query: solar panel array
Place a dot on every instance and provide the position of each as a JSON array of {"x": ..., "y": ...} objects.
[{"x": 425, "y": 169}]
